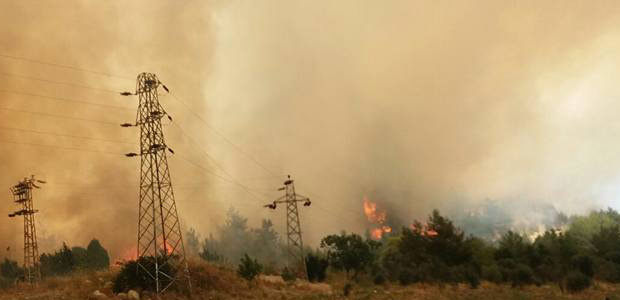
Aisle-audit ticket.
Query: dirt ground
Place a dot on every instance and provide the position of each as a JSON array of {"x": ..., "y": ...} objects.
[{"x": 216, "y": 283}]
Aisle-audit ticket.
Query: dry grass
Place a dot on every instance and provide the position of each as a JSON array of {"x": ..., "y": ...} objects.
[{"x": 217, "y": 283}]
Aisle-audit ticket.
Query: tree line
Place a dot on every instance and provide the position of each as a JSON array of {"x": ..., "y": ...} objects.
[
  {"x": 60, "y": 262},
  {"x": 437, "y": 251}
]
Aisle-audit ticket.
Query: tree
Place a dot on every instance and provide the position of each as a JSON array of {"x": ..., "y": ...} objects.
[
  {"x": 80, "y": 256},
  {"x": 511, "y": 246},
  {"x": 349, "y": 252},
  {"x": 249, "y": 268},
  {"x": 192, "y": 240},
  {"x": 60, "y": 263},
  {"x": 96, "y": 256},
  {"x": 316, "y": 267},
  {"x": 133, "y": 275},
  {"x": 266, "y": 245},
  {"x": 586, "y": 226},
  {"x": 234, "y": 239},
  {"x": 9, "y": 269},
  {"x": 606, "y": 240},
  {"x": 447, "y": 242}
]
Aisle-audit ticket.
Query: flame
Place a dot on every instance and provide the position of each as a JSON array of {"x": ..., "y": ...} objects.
[
  {"x": 376, "y": 217},
  {"x": 167, "y": 248},
  {"x": 127, "y": 255},
  {"x": 424, "y": 230},
  {"x": 131, "y": 253},
  {"x": 430, "y": 232},
  {"x": 370, "y": 209},
  {"x": 376, "y": 233}
]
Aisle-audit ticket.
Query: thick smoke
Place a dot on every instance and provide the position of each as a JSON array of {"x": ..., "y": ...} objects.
[
  {"x": 94, "y": 194},
  {"x": 417, "y": 104},
  {"x": 423, "y": 105}
]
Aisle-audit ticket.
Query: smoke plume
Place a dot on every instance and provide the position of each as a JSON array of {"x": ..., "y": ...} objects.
[{"x": 415, "y": 104}]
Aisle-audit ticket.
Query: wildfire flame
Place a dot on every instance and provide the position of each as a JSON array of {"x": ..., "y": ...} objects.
[
  {"x": 131, "y": 253},
  {"x": 167, "y": 248},
  {"x": 424, "y": 230},
  {"x": 127, "y": 255},
  {"x": 377, "y": 218}
]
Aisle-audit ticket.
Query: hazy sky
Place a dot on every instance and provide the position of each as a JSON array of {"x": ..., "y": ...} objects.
[{"x": 416, "y": 104}]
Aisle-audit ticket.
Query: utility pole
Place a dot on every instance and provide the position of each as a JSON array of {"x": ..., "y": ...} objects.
[
  {"x": 294, "y": 241},
  {"x": 161, "y": 253},
  {"x": 22, "y": 195}
]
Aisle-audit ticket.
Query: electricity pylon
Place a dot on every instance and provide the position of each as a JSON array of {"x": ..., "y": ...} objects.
[
  {"x": 294, "y": 241},
  {"x": 161, "y": 253},
  {"x": 22, "y": 195}
]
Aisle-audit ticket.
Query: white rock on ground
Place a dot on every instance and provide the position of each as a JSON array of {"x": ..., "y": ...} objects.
[
  {"x": 99, "y": 295},
  {"x": 271, "y": 278},
  {"x": 121, "y": 295},
  {"x": 317, "y": 286},
  {"x": 108, "y": 285},
  {"x": 133, "y": 295}
]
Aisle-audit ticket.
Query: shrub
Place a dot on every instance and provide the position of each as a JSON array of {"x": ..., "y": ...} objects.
[
  {"x": 583, "y": 263},
  {"x": 97, "y": 257},
  {"x": 613, "y": 256},
  {"x": 10, "y": 270},
  {"x": 408, "y": 276},
  {"x": 472, "y": 278},
  {"x": 492, "y": 273},
  {"x": 346, "y": 290},
  {"x": 249, "y": 268},
  {"x": 349, "y": 252},
  {"x": 609, "y": 271},
  {"x": 316, "y": 267},
  {"x": 134, "y": 275},
  {"x": 577, "y": 282},
  {"x": 61, "y": 262},
  {"x": 522, "y": 275},
  {"x": 379, "y": 279},
  {"x": 211, "y": 255},
  {"x": 288, "y": 275}
]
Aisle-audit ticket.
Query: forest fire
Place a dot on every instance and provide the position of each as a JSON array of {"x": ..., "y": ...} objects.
[
  {"x": 376, "y": 217},
  {"x": 127, "y": 255},
  {"x": 424, "y": 230}
]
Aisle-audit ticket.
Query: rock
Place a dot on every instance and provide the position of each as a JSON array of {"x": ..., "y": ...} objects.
[
  {"x": 271, "y": 278},
  {"x": 317, "y": 286},
  {"x": 99, "y": 295},
  {"x": 133, "y": 295},
  {"x": 87, "y": 281},
  {"x": 108, "y": 285},
  {"x": 121, "y": 295}
]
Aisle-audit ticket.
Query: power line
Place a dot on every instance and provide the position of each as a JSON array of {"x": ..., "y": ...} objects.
[
  {"x": 64, "y": 99},
  {"x": 57, "y": 116},
  {"x": 241, "y": 151},
  {"x": 243, "y": 187},
  {"x": 59, "y": 82},
  {"x": 238, "y": 148},
  {"x": 59, "y": 147},
  {"x": 67, "y": 135},
  {"x": 64, "y": 66},
  {"x": 203, "y": 151},
  {"x": 206, "y": 154}
]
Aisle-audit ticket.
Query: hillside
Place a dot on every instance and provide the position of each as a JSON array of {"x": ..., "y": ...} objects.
[{"x": 212, "y": 282}]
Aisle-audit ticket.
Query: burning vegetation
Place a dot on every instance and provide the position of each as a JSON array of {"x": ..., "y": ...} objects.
[{"x": 376, "y": 218}]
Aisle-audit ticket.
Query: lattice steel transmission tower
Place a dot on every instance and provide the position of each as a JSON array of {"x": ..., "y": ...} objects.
[
  {"x": 294, "y": 241},
  {"x": 22, "y": 195},
  {"x": 161, "y": 253}
]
